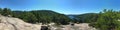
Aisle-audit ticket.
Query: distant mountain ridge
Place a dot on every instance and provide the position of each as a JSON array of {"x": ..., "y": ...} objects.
[{"x": 72, "y": 16}]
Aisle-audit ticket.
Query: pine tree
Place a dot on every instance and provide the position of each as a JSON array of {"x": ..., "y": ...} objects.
[
  {"x": 6, "y": 12},
  {"x": 0, "y": 10}
]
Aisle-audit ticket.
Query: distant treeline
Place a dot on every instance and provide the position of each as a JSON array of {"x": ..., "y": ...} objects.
[{"x": 105, "y": 20}]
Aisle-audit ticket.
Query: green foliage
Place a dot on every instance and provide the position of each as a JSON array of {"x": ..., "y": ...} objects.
[
  {"x": 6, "y": 12},
  {"x": 0, "y": 10},
  {"x": 46, "y": 16},
  {"x": 42, "y": 16},
  {"x": 87, "y": 18},
  {"x": 28, "y": 17},
  {"x": 38, "y": 16},
  {"x": 107, "y": 20}
]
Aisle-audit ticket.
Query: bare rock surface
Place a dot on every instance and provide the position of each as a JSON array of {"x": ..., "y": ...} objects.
[
  {"x": 81, "y": 26},
  {"x": 10, "y": 23}
]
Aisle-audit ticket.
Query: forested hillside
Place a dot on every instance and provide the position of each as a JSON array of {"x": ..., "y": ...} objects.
[
  {"x": 86, "y": 18},
  {"x": 37, "y": 16}
]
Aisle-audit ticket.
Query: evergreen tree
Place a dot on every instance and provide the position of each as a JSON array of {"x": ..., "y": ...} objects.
[
  {"x": 6, "y": 12},
  {"x": 0, "y": 10},
  {"x": 108, "y": 20}
]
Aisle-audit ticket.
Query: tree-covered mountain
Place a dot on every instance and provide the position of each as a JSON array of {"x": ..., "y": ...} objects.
[
  {"x": 84, "y": 18},
  {"x": 44, "y": 16},
  {"x": 38, "y": 16}
]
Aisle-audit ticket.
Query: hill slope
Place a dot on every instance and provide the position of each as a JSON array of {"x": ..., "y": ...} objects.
[{"x": 42, "y": 16}]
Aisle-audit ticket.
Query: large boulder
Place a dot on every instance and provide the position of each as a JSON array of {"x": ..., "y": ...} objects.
[{"x": 10, "y": 23}]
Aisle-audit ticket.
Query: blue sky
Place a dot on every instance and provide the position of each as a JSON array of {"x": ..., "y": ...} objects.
[{"x": 62, "y": 6}]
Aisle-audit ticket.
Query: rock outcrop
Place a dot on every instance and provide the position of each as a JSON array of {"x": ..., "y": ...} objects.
[
  {"x": 81, "y": 26},
  {"x": 10, "y": 23}
]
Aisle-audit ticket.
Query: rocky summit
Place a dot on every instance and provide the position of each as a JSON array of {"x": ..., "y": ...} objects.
[{"x": 10, "y": 23}]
